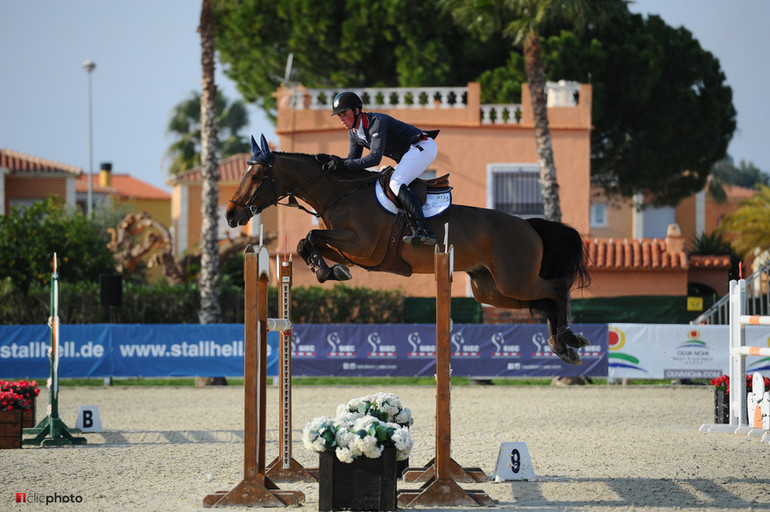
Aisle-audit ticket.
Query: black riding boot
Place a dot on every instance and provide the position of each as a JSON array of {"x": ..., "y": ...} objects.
[{"x": 423, "y": 234}]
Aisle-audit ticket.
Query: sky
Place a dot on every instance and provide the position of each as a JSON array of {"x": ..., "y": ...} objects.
[{"x": 147, "y": 56}]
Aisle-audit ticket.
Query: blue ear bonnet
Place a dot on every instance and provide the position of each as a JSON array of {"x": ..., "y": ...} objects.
[{"x": 261, "y": 153}]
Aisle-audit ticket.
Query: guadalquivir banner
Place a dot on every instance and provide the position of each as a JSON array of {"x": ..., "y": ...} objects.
[{"x": 155, "y": 350}]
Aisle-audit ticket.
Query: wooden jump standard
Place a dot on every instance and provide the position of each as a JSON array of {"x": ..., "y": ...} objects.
[
  {"x": 442, "y": 472},
  {"x": 256, "y": 488},
  {"x": 284, "y": 467}
]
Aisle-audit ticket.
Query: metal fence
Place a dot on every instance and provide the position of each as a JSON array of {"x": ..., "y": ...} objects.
[{"x": 757, "y": 300}]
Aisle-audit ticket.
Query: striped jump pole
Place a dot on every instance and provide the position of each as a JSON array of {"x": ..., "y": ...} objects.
[
  {"x": 738, "y": 414},
  {"x": 256, "y": 489},
  {"x": 285, "y": 468}
]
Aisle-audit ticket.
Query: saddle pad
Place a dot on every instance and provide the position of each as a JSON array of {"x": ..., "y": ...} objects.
[{"x": 435, "y": 204}]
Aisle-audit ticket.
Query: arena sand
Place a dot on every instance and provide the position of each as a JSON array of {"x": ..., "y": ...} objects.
[{"x": 598, "y": 448}]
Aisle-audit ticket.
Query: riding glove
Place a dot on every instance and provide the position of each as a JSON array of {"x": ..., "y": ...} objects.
[{"x": 335, "y": 164}]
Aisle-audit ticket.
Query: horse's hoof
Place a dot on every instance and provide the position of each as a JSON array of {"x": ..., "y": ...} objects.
[
  {"x": 341, "y": 273},
  {"x": 564, "y": 352},
  {"x": 567, "y": 337}
]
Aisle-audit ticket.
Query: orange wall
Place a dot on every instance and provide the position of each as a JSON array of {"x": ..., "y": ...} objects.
[
  {"x": 20, "y": 187},
  {"x": 618, "y": 283}
]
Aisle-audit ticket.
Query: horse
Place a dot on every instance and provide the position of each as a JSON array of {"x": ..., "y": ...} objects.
[{"x": 512, "y": 262}]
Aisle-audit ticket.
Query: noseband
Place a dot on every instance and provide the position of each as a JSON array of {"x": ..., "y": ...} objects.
[{"x": 268, "y": 176}]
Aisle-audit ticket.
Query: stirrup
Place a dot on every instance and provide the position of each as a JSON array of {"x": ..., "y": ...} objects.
[{"x": 421, "y": 237}]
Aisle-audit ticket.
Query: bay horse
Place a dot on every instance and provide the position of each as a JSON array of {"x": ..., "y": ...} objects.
[{"x": 511, "y": 262}]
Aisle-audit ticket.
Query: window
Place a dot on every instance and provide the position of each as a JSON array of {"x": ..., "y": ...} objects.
[
  {"x": 598, "y": 215},
  {"x": 515, "y": 189}
]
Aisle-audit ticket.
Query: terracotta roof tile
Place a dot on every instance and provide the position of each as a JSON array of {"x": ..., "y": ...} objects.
[
  {"x": 230, "y": 170},
  {"x": 706, "y": 261},
  {"x": 17, "y": 162},
  {"x": 633, "y": 254},
  {"x": 123, "y": 186}
]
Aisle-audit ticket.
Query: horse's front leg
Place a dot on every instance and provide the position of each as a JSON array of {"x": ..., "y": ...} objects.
[{"x": 311, "y": 254}]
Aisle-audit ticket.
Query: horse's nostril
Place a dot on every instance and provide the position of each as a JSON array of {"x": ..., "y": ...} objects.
[{"x": 229, "y": 214}]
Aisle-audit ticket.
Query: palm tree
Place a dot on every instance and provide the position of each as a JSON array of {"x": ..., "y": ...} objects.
[
  {"x": 749, "y": 225},
  {"x": 521, "y": 20},
  {"x": 185, "y": 126},
  {"x": 209, "y": 276}
]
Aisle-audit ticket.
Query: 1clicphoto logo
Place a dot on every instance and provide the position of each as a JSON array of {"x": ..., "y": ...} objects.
[{"x": 34, "y": 497}]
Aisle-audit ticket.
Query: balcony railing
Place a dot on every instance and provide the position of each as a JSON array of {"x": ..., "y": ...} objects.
[{"x": 559, "y": 94}]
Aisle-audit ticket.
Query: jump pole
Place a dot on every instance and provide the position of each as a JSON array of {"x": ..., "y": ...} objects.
[
  {"x": 256, "y": 489},
  {"x": 738, "y": 351},
  {"x": 285, "y": 468},
  {"x": 441, "y": 488},
  {"x": 52, "y": 431}
]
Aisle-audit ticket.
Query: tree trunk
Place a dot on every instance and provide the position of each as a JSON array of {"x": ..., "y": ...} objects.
[
  {"x": 533, "y": 61},
  {"x": 209, "y": 276}
]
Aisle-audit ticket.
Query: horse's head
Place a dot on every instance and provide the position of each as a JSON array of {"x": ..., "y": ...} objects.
[{"x": 257, "y": 188}]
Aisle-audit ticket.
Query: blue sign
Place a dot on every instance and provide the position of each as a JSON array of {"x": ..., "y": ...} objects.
[{"x": 183, "y": 350}]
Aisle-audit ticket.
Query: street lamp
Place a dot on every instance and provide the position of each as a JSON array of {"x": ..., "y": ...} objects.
[{"x": 89, "y": 66}]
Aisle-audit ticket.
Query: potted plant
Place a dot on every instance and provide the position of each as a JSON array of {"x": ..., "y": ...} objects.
[
  {"x": 11, "y": 406},
  {"x": 29, "y": 390},
  {"x": 722, "y": 393},
  {"x": 358, "y": 451}
]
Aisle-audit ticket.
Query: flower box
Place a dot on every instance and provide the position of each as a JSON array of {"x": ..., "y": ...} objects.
[
  {"x": 721, "y": 406},
  {"x": 364, "y": 484},
  {"x": 28, "y": 415},
  {"x": 10, "y": 429}
]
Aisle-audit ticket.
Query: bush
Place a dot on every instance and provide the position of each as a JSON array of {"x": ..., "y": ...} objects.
[{"x": 179, "y": 304}]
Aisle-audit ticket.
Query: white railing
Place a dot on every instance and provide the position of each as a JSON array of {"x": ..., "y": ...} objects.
[
  {"x": 560, "y": 94},
  {"x": 384, "y": 97}
]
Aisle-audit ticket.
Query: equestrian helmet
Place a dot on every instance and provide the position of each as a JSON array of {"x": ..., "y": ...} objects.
[{"x": 344, "y": 101}]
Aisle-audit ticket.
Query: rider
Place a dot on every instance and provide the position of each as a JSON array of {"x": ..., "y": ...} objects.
[{"x": 413, "y": 150}]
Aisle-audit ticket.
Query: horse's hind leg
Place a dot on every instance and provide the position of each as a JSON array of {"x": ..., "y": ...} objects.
[{"x": 560, "y": 336}]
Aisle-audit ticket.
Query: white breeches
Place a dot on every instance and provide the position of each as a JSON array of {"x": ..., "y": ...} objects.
[{"x": 413, "y": 163}]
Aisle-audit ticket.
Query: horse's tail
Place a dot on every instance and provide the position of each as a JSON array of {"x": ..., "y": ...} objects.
[{"x": 563, "y": 253}]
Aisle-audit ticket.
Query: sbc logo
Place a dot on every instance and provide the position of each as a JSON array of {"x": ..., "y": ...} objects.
[{"x": 21, "y": 497}]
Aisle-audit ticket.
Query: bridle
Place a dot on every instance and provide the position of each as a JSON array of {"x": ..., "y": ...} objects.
[{"x": 269, "y": 177}]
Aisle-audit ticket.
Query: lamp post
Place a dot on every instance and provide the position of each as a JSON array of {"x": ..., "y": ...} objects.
[{"x": 89, "y": 66}]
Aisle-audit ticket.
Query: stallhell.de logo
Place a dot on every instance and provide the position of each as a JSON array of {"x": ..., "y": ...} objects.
[
  {"x": 378, "y": 349},
  {"x": 339, "y": 350}
]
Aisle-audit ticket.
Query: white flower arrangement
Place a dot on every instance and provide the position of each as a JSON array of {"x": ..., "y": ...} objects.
[
  {"x": 356, "y": 433},
  {"x": 383, "y": 406}
]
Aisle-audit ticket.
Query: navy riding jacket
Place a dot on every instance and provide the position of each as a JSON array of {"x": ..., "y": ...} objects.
[{"x": 387, "y": 137}]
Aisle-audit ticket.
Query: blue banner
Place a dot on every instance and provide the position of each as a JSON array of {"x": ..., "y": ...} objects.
[{"x": 182, "y": 350}]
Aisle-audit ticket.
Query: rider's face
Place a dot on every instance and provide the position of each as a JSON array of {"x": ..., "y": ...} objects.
[{"x": 347, "y": 118}]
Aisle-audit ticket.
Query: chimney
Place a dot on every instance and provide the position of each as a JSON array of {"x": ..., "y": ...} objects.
[
  {"x": 674, "y": 239},
  {"x": 105, "y": 174}
]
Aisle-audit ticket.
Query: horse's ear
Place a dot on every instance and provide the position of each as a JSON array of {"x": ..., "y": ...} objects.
[
  {"x": 263, "y": 144},
  {"x": 254, "y": 146}
]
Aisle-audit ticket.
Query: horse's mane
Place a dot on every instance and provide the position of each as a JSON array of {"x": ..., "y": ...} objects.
[{"x": 346, "y": 174}]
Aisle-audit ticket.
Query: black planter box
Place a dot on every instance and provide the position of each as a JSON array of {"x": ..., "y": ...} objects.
[
  {"x": 721, "y": 406},
  {"x": 364, "y": 484}
]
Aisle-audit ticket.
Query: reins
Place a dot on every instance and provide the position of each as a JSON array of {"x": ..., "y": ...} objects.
[{"x": 292, "y": 201}]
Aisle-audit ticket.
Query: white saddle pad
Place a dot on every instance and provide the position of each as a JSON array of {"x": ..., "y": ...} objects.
[{"x": 435, "y": 204}]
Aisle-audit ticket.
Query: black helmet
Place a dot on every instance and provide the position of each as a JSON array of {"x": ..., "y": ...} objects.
[{"x": 344, "y": 101}]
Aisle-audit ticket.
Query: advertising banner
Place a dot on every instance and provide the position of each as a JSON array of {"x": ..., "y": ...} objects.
[
  {"x": 660, "y": 351},
  {"x": 183, "y": 350}
]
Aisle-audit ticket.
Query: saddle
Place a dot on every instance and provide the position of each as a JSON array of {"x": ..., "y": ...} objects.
[{"x": 420, "y": 187}]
